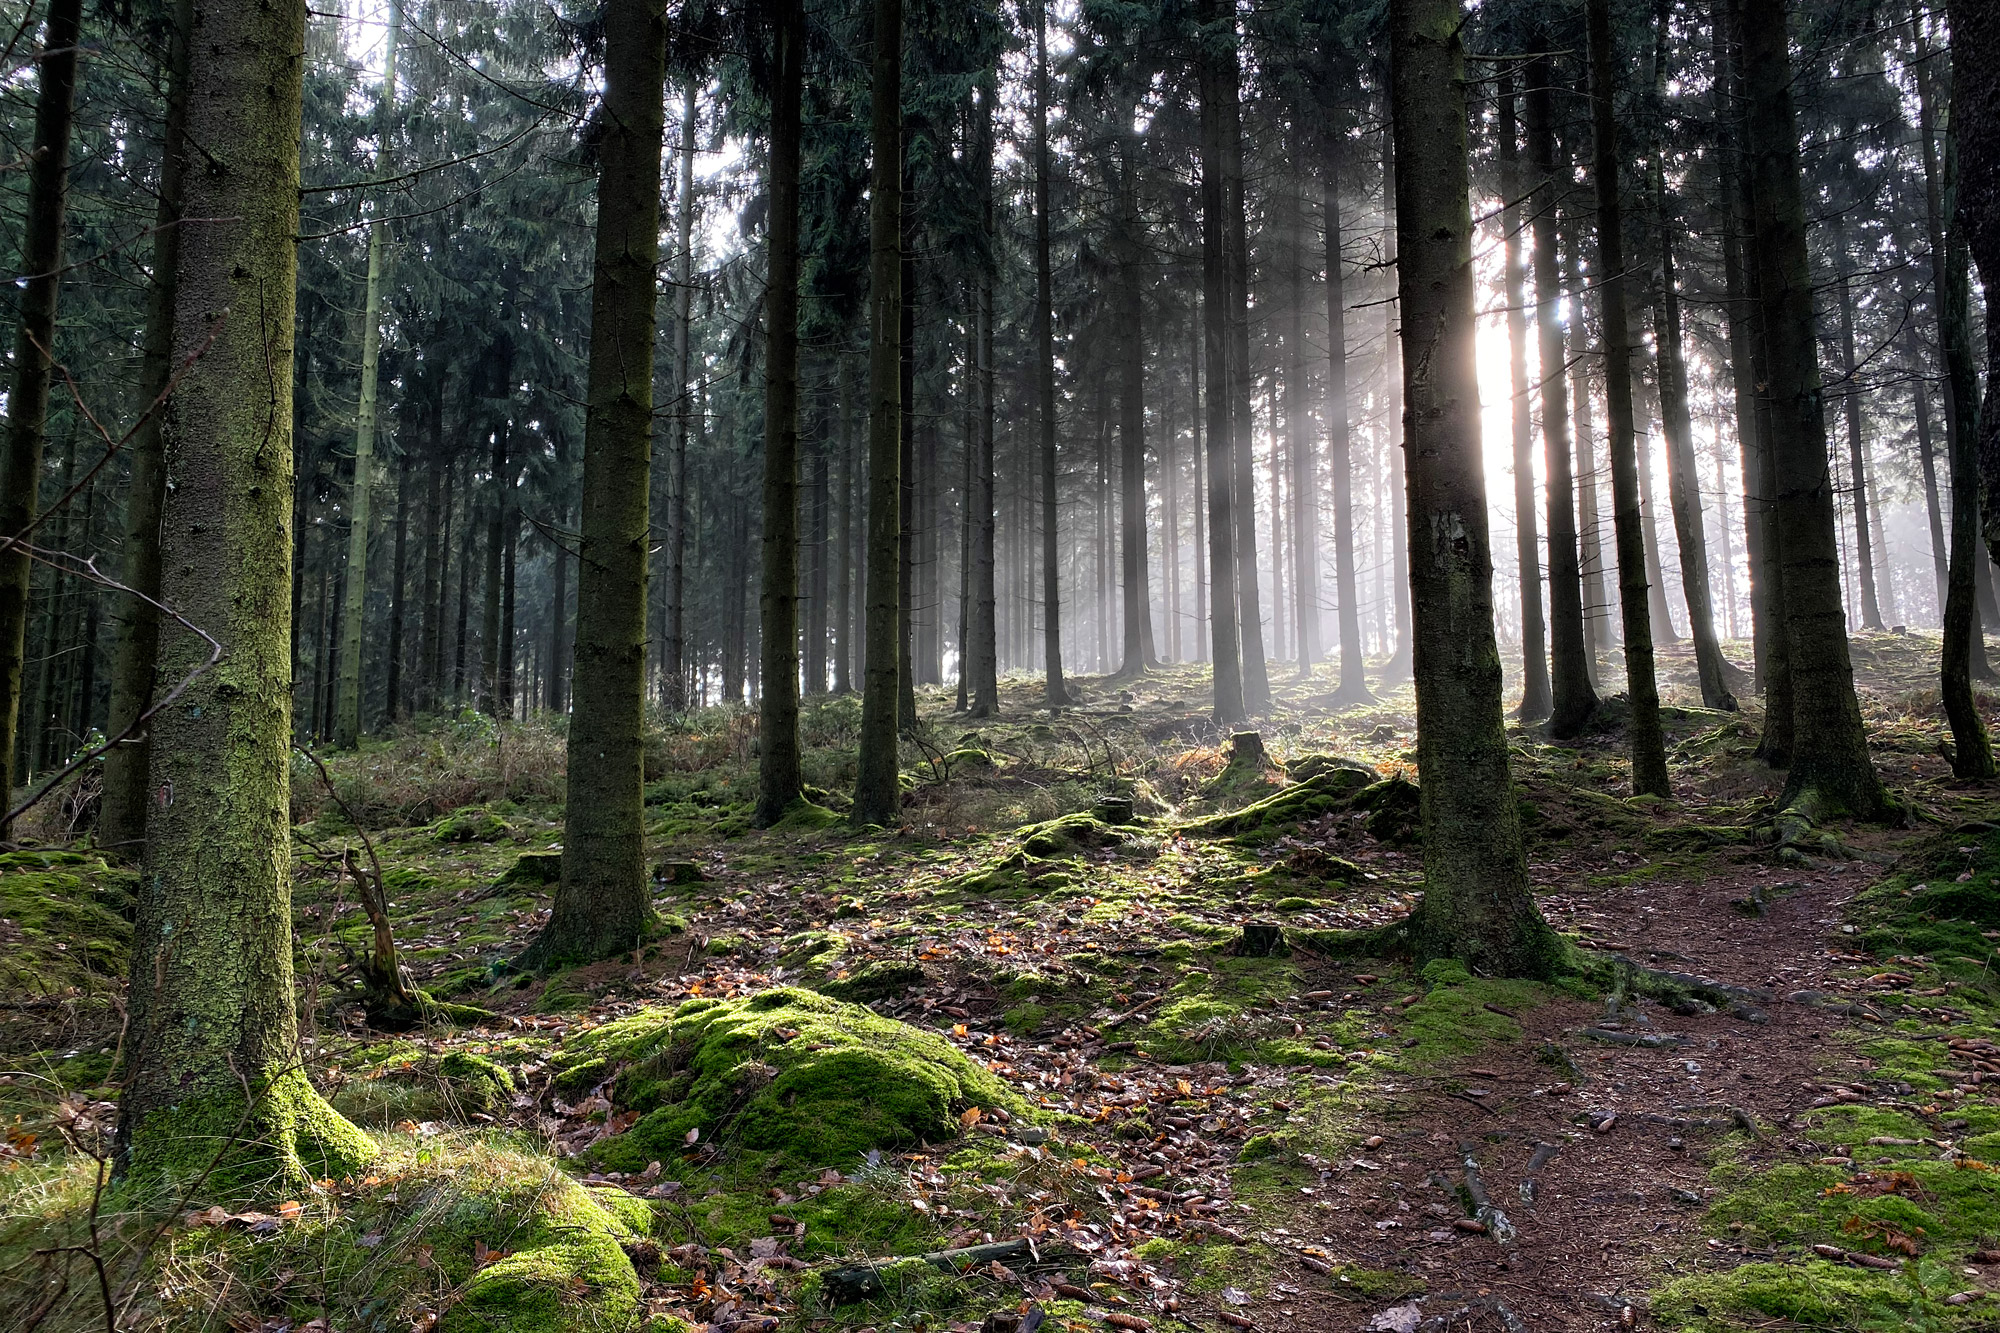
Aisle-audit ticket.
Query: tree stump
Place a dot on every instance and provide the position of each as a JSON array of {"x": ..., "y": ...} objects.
[
  {"x": 1114, "y": 809},
  {"x": 1262, "y": 939}
]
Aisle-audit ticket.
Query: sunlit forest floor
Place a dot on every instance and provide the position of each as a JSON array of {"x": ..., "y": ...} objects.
[{"x": 1028, "y": 1025}]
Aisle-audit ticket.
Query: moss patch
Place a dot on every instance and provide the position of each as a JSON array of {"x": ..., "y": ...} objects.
[{"x": 785, "y": 1071}]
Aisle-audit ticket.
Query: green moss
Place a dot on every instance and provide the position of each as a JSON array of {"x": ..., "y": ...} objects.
[
  {"x": 65, "y": 934},
  {"x": 471, "y": 824},
  {"x": 786, "y": 1071},
  {"x": 481, "y": 1084},
  {"x": 1283, "y": 810},
  {"x": 803, "y": 815},
  {"x": 875, "y": 981},
  {"x": 288, "y": 1137}
]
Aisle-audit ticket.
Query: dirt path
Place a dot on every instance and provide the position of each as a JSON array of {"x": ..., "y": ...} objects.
[{"x": 1623, "y": 1197}]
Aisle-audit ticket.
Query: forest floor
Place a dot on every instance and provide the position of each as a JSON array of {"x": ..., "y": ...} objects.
[{"x": 1767, "y": 1101}]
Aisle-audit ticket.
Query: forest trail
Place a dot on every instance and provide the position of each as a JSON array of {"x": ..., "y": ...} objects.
[{"x": 1622, "y": 1200}]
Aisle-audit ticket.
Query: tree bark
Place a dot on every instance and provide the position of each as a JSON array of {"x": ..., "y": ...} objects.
[
  {"x": 602, "y": 906},
  {"x": 354, "y": 585},
  {"x": 1056, "y": 692},
  {"x": 1218, "y": 94},
  {"x": 1975, "y": 119},
  {"x": 1133, "y": 574},
  {"x": 876, "y": 794},
  {"x": 1477, "y": 906},
  {"x": 1235, "y": 385},
  {"x": 673, "y": 653},
  {"x": 1353, "y": 687},
  {"x": 1649, "y": 748},
  {"x": 398, "y": 581},
  {"x": 778, "y": 778},
  {"x": 121, "y": 820},
  {"x": 1303, "y": 481},
  {"x": 1857, "y": 446},
  {"x": 1830, "y": 769},
  {"x": 34, "y": 359},
  {"x": 212, "y": 1080},
  {"x": 1683, "y": 480},
  {"x": 1573, "y": 702},
  {"x": 1537, "y": 702}
]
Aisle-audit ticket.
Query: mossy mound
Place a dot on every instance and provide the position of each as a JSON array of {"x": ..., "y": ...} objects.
[
  {"x": 406, "y": 1085},
  {"x": 785, "y": 1071},
  {"x": 489, "y": 1239},
  {"x": 474, "y": 823},
  {"x": 1325, "y": 792},
  {"x": 1308, "y": 766},
  {"x": 534, "y": 868},
  {"x": 1046, "y": 850},
  {"x": 65, "y": 935},
  {"x": 875, "y": 981}
]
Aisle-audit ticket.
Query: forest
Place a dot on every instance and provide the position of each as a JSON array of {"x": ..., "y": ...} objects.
[{"x": 880, "y": 666}]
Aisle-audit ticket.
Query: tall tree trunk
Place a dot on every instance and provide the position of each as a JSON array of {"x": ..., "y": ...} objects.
[
  {"x": 1134, "y": 577},
  {"x": 1857, "y": 446},
  {"x": 1401, "y": 661},
  {"x": 354, "y": 587},
  {"x": 1950, "y": 281},
  {"x": 778, "y": 599},
  {"x": 1536, "y": 700},
  {"x": 121, "y": 820},
  {"x": 1353, "y": 687},
  {"x": 1218, "y": 92},
  {"x": 673, "y": 663},
  {"x": 490, "y": 646},
  {"x": 906, "y": 508},
  {"x": 1477, "y": 906},
  {"x": 876, "y": 796},
  {"x": 1920, "y": 407},
  {"x": 1746, "y": 345},
  {"x": 1968, "y": 185},
  {"x": 1198, "y": 467},
  {"x": 1573, "y": 701},
  {"x": 1599, "y": 630},
  {"x": 467, "y": 562},
  {"x": 817, "y": 584},
  {"x": 1304, "y": 480},
  {"x": 211, "y": 1048},
  {"x": 985, "y": 649},
  {"x": 1683, "y": 481},
  {"x": 1975, "y": 217},
  {"x": 437, "y": 528},
  {"x": 1830, "y": 770},
  {"x": 603, "y": 904},
  {"x": 844, "y": 662},
  {"x": 556, "y": 694},
  {"x": 1235, "y": 384},
  {"x": 1056, "y": 692},
  {"x": 398, "y": 583},
  {"x": 1649, "y": 747},
  {"x": 34, "y": 353},
  {"x": 1659, "y": 613}
]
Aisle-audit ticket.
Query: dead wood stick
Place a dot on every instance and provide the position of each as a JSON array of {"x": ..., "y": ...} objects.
[{"x": 1495, "y": 1221}]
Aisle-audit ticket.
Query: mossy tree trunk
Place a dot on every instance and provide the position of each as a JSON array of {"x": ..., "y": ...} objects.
[
  {"x": 876, "y": 792},
  {"x": 34, "y": 358},
  {"x": 1649, "y": 746},
  {"x": 1573, "y": 701},
  {"x": 121, "y": 820},
  {"x": 1536, "y": 700},
  {"x": 1476, "y": 905},
  {"x": 354, "y": 576},
  {"x": 603, "y": 905},
  {"x": 778, "y": 601},
  {"x": 1830, "y": 770},
  {"x": 212, "y": 1069},
  {"x": 1217, "y": 86}
]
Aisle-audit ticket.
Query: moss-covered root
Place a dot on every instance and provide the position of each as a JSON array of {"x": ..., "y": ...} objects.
[{"x": 224, "y": 1146}]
